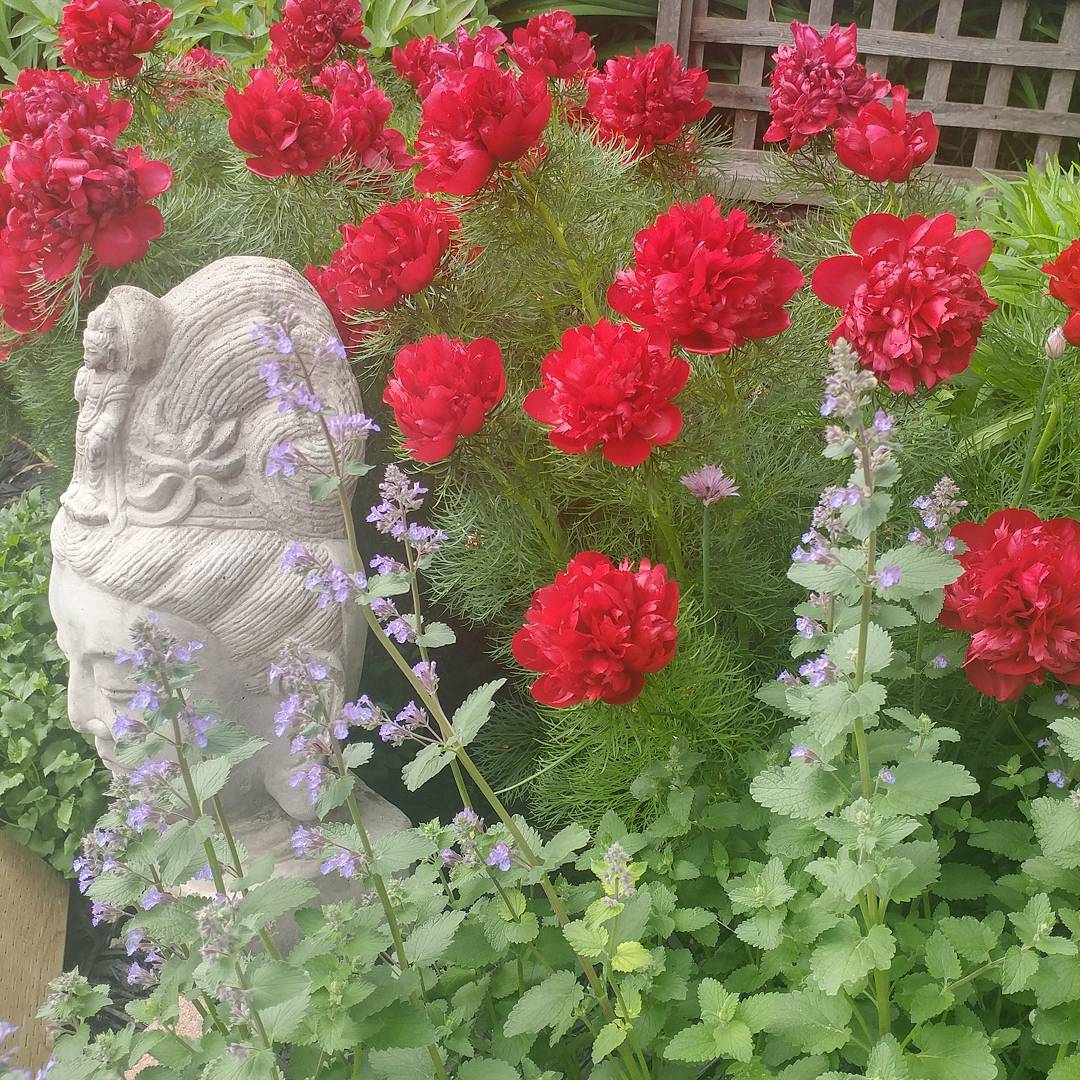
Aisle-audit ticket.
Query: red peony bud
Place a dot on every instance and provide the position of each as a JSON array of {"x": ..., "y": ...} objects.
[{"x": 887, "y": 144}]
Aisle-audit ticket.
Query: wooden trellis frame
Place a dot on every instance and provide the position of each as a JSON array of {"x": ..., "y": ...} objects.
[{"x": 689, "y": 27}]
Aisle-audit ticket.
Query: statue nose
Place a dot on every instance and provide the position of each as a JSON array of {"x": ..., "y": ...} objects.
[{"x": 92, "y": 726}]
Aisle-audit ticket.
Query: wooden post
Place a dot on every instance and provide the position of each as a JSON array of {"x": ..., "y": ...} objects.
[{"x": 33, "y": 926}]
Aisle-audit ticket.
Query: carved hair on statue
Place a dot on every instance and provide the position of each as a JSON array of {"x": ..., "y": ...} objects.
[{"x": 173, "y": 408}]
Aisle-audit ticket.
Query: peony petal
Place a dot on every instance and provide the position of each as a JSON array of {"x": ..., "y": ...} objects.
[
  {"x": 628, "y": 452},
  {"x": 876, "y": 229},
  {"x": 973, "y": 248},
  {"x": 835, "y": 280}
]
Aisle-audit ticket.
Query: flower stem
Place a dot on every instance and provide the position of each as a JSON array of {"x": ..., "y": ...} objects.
[
  {"x": 1033, "y": 434},
  {"x": 659, "y": 514},
  {"x": 558, "y": 234},
  {"x": 706, "y": 555}
]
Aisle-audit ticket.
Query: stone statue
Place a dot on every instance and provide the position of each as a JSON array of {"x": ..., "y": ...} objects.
[{"x": 170, "y": 512}]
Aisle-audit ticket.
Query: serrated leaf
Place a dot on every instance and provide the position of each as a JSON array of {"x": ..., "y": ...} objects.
[
  {"x": 765, "y": 930},
  {"x": 948, "y": 1052},
  {"x": 1057, "y": 828},
  {"x": 813, "y": 1022},
  {"x": 432, "y": 938},
  {"x": 487, "y": 1069},
  {"x": 429, "y": 762},
  {"x": 835, "y": 708},
  {"x": 324, "y": 487},
  {"x": 844, "y": 649},
  {"x": 695, "y": 1043},
  {"x": 551, "y": 1004},
  {"x": 436, "y": 635},
  {"x": 631, "y": 956},
  {"x": 474, "y": 711},
  {"x": 972, "y": 938},
  {"x": 941, "y": 960},
  {"x": 399, "y": 850},
  {"x": 922, "y": 786},
  {"x": 798, "y": 790},
  {"x": 610, "y": 1037},
  {"x": 844, "y": 956},
  {"x": 209, "y": 777},
  {"x": 1066, "y": 1069},
  {"x": 357, "y": 754},
  {"x": 274, "y": 898},
  {"x": 922, "y": 570},
  {"x": 886, "y": 1061},
  {"x": 1018, "y": 967},
  {"x": 1067, "y": 730},
  {"x": 584, "y": 939}
]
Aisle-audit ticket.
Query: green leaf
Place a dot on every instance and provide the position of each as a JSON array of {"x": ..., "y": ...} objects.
[
  {"x": 357, "y": 468},
  {"x": 357, "y": 754},
  {"x": 585, "y": 939},
  {"x": 972, "y": 938},
  {"x": 1068, "y": 733},
  {"x": 948, "y": 1052},
  {"x": 818, "y": 578},
  {"x": 798, "y": 790},
  {"x": 765, "y": 930},
  {"x": 922, "y": 570},
  {"x": 844, "y": 649},
  {"x": 734, "y": 1040},
  {"x": 631, "y": 956},
  {"x": 429, "y": 762},
  {"x": 1018, "y": 967},
  {"x": 209, "y": 777},
  {"x": 835, "y": 708},
  {"x": 282, "y": 1020},
  {"x": 1066, "y": 1069},
  {"x": 551, "y": 1004},
  {"x": 487, "y": 1069},
  {"x": 432, "y": 938},
  {"x": 324, "y": 487},
  {"x": 399, "y": 850},
  {"x": 813, "y": 1022},
  {"x": 274, "y": 898},
  {"x": 886, "y": 1061},
  {"x": 474, "y": 711},
  {"x": 844, "y": 956},
  {"x": 435, "y": 635},
  {"x": 694, "y": 1043},
  {"x": 611, "y": 1037},
  {"x": 1057, "y": 828},
  {"x": 274, "y": 982},
  {"x": 922, "y": 786},
  {"x": 941, "y": 960}
]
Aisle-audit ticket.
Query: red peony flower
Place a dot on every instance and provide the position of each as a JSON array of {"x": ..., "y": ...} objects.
[
  {"x": 41, "y": 98},
  {"x": 710, "y": 282},
  {"x": 287, "y": 131},
  {"x": 475, "y": 120},
  {"x": 442, "y": 390},
  {"x": 647, "y": 100},
  {"x": 913, "y": 303},
  {"x": 1019, "y": 598},
  {"x": 361, "y": 110},
  {"x": 553, "y": 43},
  {"x": 74, "y": 188},
  {"x": 392, "y": 253},
  {"x": 103, "y": 38},
  {"x": 311, "y": 30},
  {"x": 609, "y": 385},
  {"x": 598, "y": 631},
  {"x": 1064, "y": 272},
  {"x": 887, "y": 144},
  {"x": 817, "y": 82},
  {"x": 199, "y": 59},
  {"x": 423, "y": 61}
]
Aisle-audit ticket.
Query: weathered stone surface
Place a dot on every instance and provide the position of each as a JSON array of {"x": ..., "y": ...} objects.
[{"x": 170, "y": 511}]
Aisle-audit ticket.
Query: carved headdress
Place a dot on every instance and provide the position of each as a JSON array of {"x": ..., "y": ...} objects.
[{"x": 169, "y": 504}]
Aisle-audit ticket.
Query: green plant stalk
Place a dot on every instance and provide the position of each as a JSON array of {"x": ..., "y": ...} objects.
[
  {"x": 874, "y": 913},
  {"x": 556, "y": 546},
  {"x": 706, "y": 554},
  {"x": 1033, "y": 435},
  {"x": 447, "y": 731},
  {"x": 1044, "y": 441},
  {"x": 383, "y": 894},
  {"x": 414, "y": 583},
  {"x": 558, "y": 234},
  {"x": 916, "y": 690},
  {"x": 658, "y": 512}
]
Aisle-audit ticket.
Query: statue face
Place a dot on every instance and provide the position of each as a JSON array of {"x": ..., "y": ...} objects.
[
  {"x": 92, "y": 626},
  {"x": 100, "y": 338}
]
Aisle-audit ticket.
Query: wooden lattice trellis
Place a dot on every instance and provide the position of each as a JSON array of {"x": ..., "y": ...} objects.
[{"x": 688, "y": 25}]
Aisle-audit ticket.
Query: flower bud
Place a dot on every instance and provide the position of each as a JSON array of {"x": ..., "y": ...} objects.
[{"x": 1055, "y": 344}]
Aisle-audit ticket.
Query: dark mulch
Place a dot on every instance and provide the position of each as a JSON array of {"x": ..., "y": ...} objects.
[{"x": 21, "y": 468}]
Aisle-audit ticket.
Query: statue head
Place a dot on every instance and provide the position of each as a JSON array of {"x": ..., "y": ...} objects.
[{"x": 170, "y": 510}]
